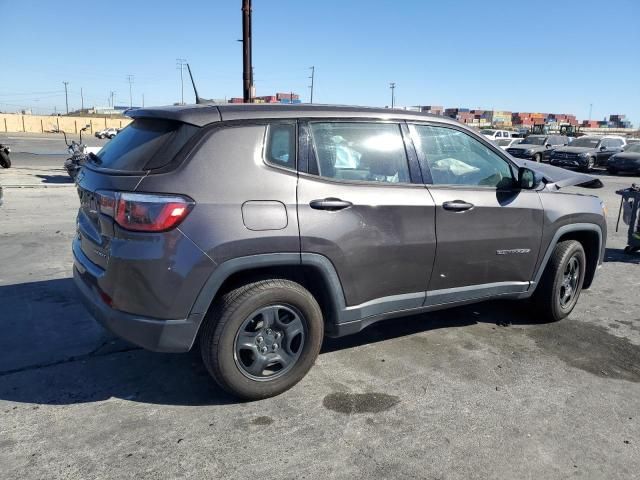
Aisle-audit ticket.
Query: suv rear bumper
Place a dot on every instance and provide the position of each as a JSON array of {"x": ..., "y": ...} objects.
[{"x": 148, "y": 333}]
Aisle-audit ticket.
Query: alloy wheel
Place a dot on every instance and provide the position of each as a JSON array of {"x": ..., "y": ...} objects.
[{"x": 569, "y": 286}]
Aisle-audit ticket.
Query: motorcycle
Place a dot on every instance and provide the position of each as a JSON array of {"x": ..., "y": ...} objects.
[
  {"x": 5, "y": 161},
  {"x": 78, "y": 152}
]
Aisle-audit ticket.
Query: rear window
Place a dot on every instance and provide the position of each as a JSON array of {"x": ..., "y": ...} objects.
[{"x": 145, "y": 144}]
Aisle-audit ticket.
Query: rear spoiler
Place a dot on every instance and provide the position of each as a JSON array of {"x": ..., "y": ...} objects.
[{"x": 198, "y": 115}]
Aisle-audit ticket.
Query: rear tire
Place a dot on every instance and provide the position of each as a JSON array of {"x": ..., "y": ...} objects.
[
  {"x": 279, "y": 316},
  {"x": 612, "y": 171},
  {"x": 562, "y": 280},
  {"x": 5, "y": 161}
]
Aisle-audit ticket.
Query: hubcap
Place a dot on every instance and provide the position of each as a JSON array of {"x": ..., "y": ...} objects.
[
  {"x": 269, "y": 342},
  {"x": 569, "y": 284}
]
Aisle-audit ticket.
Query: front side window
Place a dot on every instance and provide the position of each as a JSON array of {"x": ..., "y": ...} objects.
[
  {"x": 281, "y": 145},
  {"x": 371, "y": 152},
  {"x": 456, "y": 158}
]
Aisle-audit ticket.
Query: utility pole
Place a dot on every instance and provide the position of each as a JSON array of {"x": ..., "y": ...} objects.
[
  {"x": 392, "y": 86},
  {"x": 590, "y": 110},
  {"x": 247, "y": 71},
  {"x": 66, "y": 96},
  {"x": 143, "y": 100},
  {"x": 111, "y": 95},
  {"x": 313, "y": 72},
  {"x": 81, "y": 100},
  {"x": 130, "y": 80},
  {"x": 180, "y": 63}
]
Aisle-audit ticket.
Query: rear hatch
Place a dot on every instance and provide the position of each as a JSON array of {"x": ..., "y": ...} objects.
[{"x": 142, "y": 148}]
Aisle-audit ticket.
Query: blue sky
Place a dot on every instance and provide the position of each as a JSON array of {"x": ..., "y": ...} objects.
[{"x": 545, "y": 56}]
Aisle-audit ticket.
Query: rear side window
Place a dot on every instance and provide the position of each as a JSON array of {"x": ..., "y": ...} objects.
[
  {"x": 145, "y": 144},
  {"x": 369, "y": 152},
  {"x": 281, "y": 145}
]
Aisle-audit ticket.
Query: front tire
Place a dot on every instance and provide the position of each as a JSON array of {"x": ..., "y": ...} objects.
[
  {"x": 591, "y": 163},
  {"x": 261, "y": 339},
  {"x": 561, "y": 282}
]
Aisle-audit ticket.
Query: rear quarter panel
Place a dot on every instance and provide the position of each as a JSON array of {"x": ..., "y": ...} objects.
[{"x": 224, "y": 171}]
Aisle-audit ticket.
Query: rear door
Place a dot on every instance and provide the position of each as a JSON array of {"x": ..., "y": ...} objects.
[
  {"x": 362, "y": 205},
  {"x": 488, "y": 232}
]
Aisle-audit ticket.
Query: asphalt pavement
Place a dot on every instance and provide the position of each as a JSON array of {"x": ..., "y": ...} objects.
[{"x": 483, "y": 391}]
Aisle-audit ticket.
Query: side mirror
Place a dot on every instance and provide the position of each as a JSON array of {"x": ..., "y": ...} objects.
[
  {"x": 548, "y": 145},
  {"x": 527, "y": 179},
  {"x": 603, "y": 148}
]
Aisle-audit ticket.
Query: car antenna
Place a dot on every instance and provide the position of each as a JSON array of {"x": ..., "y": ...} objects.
[
  {"x": 199, "y": 99},
  {"x": 195, "y": 90}
]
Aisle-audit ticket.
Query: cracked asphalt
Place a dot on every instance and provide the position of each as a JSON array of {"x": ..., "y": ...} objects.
[{"x": 482, "y": 391}]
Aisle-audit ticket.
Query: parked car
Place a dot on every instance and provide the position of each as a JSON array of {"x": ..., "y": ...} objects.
[
  {"x": 495, "y": 134},
  {"x": 627, "y": 161},
  {"x": 107, "y": 133},
  {"x": 538, "y": 147},
  {"x": 587, "y": 152},
  {"x": 258, "y": 229},
  {"x": 505, "y": 143}
]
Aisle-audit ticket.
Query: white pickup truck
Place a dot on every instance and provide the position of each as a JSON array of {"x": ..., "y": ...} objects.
[{"x": 495, "y": 134}]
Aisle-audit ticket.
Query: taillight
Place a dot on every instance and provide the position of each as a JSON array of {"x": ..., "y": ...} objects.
[{"x": 143, "y": 212}]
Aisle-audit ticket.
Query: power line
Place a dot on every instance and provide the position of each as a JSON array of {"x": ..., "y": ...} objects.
[
  {"x": 66, "y": 96},
  {"x": 392, "y": 86},
  {"x": 313, "y": 73},
  {"x": 130, "y": 80},
  {"x": 180, "y": 63}
]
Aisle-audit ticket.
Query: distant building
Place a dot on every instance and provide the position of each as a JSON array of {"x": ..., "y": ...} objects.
[
  {"x": 277, "y": 98},
  {"x": 433, "y": 109}
]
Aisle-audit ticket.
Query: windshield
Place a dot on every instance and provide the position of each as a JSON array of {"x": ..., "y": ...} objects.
[
  {"x": 488, "y": 132},
  {"x": 590, "y": 142},
  {"x": 145, "y": 144},
  {"x": 634, "y": 148},
  {"x": 535, "y": 140},
  {"x": 504, "y": 142}
]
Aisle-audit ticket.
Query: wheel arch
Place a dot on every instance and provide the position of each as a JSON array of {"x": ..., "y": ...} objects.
[
  {"x": 590, "y": 237},
  {"x": 313, "y": 271}
]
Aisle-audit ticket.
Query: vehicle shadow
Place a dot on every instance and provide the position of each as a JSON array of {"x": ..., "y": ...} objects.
[
  {"x": 52, "y": 352},
  {"x": 617, "y": 255},
  {"x": 55, "y": 179}
]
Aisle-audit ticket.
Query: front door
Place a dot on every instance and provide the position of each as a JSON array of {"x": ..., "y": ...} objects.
[
  {"x": 488, "y": 232},
  {"x": 361, "y": 206}
]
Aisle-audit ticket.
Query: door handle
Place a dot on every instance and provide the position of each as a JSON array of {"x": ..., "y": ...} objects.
[
  {"x": 457, "y": 206},
  {"x": 331, "y": 204}
]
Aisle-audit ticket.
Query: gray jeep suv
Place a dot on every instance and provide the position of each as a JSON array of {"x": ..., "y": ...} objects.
[{"x": 254, "y": 230}]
